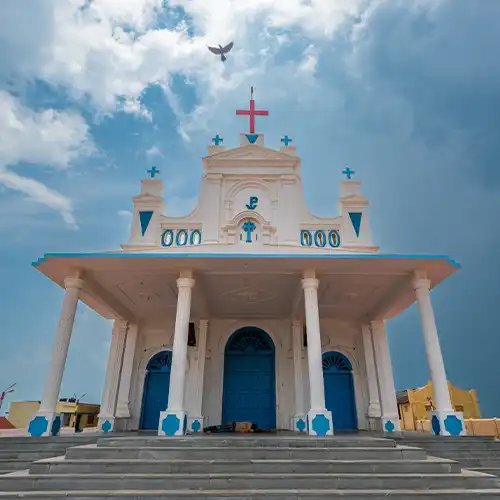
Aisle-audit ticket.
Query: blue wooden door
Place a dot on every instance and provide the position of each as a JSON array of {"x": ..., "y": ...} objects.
[
  {"x": 339, "y": 391},
  {"x": 249, "y": 391},
  {"x": 156, "y": 388}
]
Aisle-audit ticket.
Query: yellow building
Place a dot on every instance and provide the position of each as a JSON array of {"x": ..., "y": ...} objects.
[
  {"x": 415, "y": 404},
  {"x": 75, "y": 414}
]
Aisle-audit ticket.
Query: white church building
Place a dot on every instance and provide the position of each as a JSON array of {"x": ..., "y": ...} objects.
[{"x": 250, "y": 308}]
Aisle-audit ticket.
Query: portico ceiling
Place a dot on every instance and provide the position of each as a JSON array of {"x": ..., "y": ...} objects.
[{"x": 141, "y": 287}]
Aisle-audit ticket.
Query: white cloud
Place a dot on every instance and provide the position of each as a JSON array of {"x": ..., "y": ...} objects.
[
  {"x": 49, "y": 138},
  {"x": 125, "y": 213}
]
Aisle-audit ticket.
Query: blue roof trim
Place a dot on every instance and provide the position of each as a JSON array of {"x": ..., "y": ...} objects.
[{"x": 169, "y": 255}]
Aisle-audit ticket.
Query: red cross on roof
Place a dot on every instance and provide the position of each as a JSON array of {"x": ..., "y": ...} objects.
[{"x": 252, "y": 112}]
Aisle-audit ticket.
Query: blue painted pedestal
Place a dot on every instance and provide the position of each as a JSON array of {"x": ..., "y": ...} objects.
[
  {"x": 106, "y": 424},
  {"x": 195, "y": 425},
  {"x": 172, "y": 423},
  {"x": 447, "y": 423},
  {"x": 391, "y": 425},
  {"x": 319, "y": 423},
  {"x": 299, "y": 423},
  {"x": 44, "y": 424}
]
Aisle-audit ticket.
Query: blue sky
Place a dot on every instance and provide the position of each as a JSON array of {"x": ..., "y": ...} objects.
[{"x": 93, "y": 93}]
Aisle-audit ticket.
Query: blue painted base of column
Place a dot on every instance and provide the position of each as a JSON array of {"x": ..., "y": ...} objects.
[
  {"x": 44, "y": 424},
  {"x": 106, "y": 424},
  {"x": 391, "y": 425},
  {"x": 298, "y": 423},
  {"x": 319, "y": 423},
  {"x": 447, "y": 423},
  {"x": 195, "y": 425},
  {"x": 172, "y": 423}
]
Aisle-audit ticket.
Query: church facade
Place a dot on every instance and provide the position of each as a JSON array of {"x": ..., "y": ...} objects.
[{"x": 250, "y": 308}]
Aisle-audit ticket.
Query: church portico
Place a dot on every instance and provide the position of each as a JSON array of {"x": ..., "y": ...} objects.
[{"x": 250, "y": 308}]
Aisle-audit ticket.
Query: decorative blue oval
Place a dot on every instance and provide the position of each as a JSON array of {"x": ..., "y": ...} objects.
[
  {"x": 334, "y": 244},
  {"x": 316, "y": 238},
  {"x": 302, "y": 238},
  {"x": 193, "y": 233},
  {"x": 171, "y": 234},
  {"x": 181, "y": 233}
]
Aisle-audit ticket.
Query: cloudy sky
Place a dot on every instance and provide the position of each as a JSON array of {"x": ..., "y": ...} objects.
[{"x": 94, "y": 92}]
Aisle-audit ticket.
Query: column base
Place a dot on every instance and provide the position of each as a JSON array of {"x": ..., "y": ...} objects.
[
  {"x": 319, "y": 423},
  {"x": 391, "y": 424},
  {"x": 45, "y": 423},
  {"x": 298, "y": 423},
  {"x": 195, "y": 424},
  {"x": 375, "y": 424},
  {"x": 447, "y": 423},
  {"x": 106, "y": 424},
  {"x": 172, "y": 423}
]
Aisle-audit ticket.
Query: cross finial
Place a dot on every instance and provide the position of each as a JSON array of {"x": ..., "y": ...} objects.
[
  {"x": 152, "y": 172},
  {"x": 217, "y": 140},
  {"x": 286, "y": 140},
  {"x": 252, "y": 112},
  {"x": 348, "y": 172}
]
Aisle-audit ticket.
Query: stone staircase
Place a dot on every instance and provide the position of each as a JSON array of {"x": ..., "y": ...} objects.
[
  {"x": 472, "y": 452},
  {"x": 18, "y": 453},
  {"x": 244, "y": 467}
]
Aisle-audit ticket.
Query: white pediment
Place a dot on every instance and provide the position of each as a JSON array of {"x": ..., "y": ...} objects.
[{"x": 252, "y": 152}]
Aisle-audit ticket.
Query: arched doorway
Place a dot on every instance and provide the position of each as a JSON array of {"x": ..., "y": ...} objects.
[
  {"x": 339, "y": 391},
  {"x": 249, "y": 390},
  {"x": 156, "y": 387}
]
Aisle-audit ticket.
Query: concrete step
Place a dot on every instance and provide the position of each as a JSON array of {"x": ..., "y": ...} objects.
[
  {"x": 57, "y": 466},
  {"x": 457, "y": 454},
  {"x": 480, "y": 462},
  {"x": 455, "y": 445},
  {"x": 445, "y": 494},
  {"x": 61, "y": 443},
  {"x": 64, "y": 482},
  {"x": 11, "y": 465},
  {"x": 495, "y": 471},
  {"x": 246, "y": 441},
  {"x": 33, "y": 454},
  {"x": 242, "y": 453}
]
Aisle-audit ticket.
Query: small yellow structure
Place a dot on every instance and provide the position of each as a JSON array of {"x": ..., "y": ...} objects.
[
  {"x": 75, "y": 414},
  {"x": 414, "y": 404}
]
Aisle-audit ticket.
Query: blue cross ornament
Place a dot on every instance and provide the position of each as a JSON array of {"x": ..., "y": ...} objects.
[
  {"x": 248, "y": 227},
  {"x": 154, "y": 171},
  {"x": 217, "y": 140},
  {"x": 348, "y": 173},
  {"x": 286, "y": 140}
]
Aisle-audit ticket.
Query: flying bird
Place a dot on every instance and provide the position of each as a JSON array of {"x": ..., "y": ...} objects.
[{"x": 220, "y": 50}]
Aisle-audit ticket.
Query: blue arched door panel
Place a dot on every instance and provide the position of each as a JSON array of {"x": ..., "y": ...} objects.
[
  {"x": 249, "y": 390},
  {"x": 156, "y": 389},
  {"x": 339, "y": 391}
]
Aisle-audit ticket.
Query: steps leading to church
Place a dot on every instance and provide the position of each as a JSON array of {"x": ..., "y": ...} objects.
[
  {"x": 480, "y": 453},
  {"x": 244, "y": 468},
  {"x": 18, "y": 453}
]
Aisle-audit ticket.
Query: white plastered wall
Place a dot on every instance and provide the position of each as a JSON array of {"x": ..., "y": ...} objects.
[{"x": 336, "y": 336}]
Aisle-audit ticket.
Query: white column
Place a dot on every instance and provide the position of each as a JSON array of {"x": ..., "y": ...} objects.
[
  {"x": 298, "y": 419},
  {"x": 319, "y": 420},
  {"x": 61, "y": 345},
  {"x": 390, "y": 416},
  {"x": 196, "y": 421},
  {"x": 374, "y": 411},
  {"x": 173, "y": 421},
  {"x": 123, "y": 405},
  {"x": 432, "y": 346},
  {"x": 185, "y": 285},
  {"x": 113, "y": 371}
]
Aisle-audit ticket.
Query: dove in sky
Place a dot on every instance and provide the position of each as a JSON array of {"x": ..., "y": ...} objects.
[{"x": 220, "y": 50}]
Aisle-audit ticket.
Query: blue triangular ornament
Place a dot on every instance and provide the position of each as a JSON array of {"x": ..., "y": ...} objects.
[
  {"x": 252, "y": 138},
  {"x": 356, "y": 221},
  {"x": 145, "y": 218}
]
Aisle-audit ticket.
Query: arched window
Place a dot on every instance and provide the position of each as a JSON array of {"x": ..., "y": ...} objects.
[
  {"x": 305, "y": 238},
  {"x": 336, "y": 362},
  {"x": 160, "y": 362}
]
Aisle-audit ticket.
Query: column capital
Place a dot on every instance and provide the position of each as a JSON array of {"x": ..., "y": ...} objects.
[
  {"x": 419, "y": 283},
  {"x": 120, "y": 326},
  {"x": 297, "y": 323},
  {"x": 310, "y": 283},
  {"x": 185, "y": 282},
  {"x": 72, "y": 282}
]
